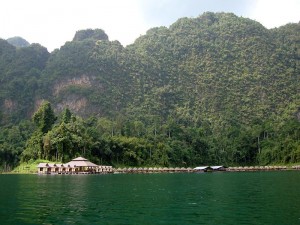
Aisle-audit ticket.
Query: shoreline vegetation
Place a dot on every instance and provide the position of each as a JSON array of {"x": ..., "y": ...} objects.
[
  {"x": 31, "y": 168},
  {"x": 217, "y": 89}
]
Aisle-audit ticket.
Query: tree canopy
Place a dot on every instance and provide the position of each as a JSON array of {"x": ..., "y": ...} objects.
[{"x": 208, "y": 90}]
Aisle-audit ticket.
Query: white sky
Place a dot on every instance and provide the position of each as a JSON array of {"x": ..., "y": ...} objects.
[{"x": 53, "y": 22}]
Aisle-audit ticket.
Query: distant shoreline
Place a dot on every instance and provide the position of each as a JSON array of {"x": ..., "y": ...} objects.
[{"x": 135, "y": 170}]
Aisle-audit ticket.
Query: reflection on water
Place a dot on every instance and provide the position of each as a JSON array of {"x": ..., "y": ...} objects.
[
  {"x": 207, "y": 198},
  {"x": 66, "y": 198}
]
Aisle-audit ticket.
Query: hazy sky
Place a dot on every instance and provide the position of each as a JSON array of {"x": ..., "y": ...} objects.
[{"x": 53, "y": 22}]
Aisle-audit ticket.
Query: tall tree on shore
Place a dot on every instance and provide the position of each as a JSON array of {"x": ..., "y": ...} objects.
[{"x": 44, "y": 117}]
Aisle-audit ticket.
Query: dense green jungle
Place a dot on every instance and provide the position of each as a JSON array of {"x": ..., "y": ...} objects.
[{"x": 216, "y": 89}]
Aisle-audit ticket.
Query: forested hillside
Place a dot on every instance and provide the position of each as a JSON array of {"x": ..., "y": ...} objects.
[{"x": 216, "y": 89}]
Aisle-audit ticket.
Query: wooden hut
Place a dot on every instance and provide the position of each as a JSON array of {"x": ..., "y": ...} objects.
[
  {"x": 77, "y": 165},
  {"x": 202, "y": 168},
  {"x": 218, "y": 168},
  {"x": 44, "y": 168}
]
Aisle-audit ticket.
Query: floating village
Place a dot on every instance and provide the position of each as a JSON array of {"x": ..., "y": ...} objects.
[
  {"x": 81, "y": 165},
  {"x": 78, "y": 165}
]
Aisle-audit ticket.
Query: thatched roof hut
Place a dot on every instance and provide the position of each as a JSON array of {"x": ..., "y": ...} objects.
[
  {"x": 81, "y": 162},
  {"x": 189, "y": 169}
]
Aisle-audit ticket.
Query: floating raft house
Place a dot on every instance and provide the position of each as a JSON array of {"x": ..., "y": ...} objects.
[{"x": 78, "y": 165}]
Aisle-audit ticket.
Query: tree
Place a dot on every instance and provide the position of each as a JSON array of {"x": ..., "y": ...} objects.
[
  {"x": 44, "y": 117},
  {"x": 66, "y": 115}
]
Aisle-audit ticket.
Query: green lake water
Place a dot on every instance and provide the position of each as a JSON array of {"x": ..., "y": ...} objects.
[{"x": 204, "y": 198}]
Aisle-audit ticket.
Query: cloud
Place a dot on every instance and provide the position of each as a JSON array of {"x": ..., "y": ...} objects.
[{"x": 276, "y": 13}]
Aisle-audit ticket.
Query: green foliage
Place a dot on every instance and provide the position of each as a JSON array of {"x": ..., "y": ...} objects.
[
  {"x": 44, "y": 117},
  {"x": 12, "y": 143},
  {"x": 18, "y": 42},
  {"x": 96, "y": 34},
  {"x": 216, "y": 89},
  {"x": 20, "y": 73},
  {"x": 66, "y": 116}
]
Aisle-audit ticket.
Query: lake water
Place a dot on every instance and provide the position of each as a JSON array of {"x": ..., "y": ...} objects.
[{"x": 204, "y": 198}]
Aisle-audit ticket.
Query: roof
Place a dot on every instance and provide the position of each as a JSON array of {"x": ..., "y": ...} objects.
[
  {"x": 79, "y": 159},
  {"x": 201, "y": 168},
  {"x": 66, "y": 165},
  {"x": 77, "y": 162},
  {"x": 217, "y": 167},
  {"x": 42, "y": 165},
  {"x": 81, "y": 162},
  {"x": 58, "y": 165}
]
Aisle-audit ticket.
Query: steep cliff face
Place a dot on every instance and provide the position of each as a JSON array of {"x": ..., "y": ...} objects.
[
  {"x": 90, "y": 75},
  {"x": 82, "y": 81},
  {"x": 20, "y": 79},
  {"x": 9, "y": 105},
  {"x": 67, "y": 93},
  {"x": 213, "y": 66},
  {"x": 75, "y": 103}
]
